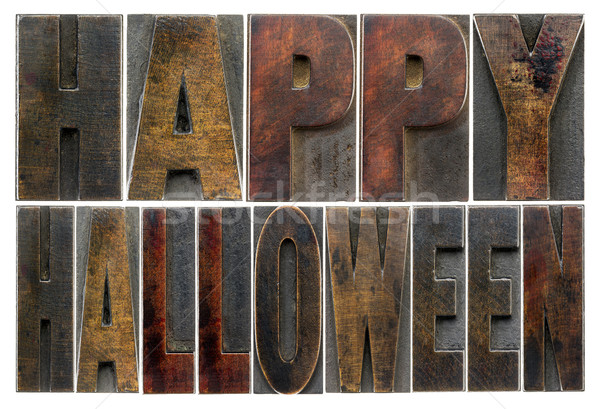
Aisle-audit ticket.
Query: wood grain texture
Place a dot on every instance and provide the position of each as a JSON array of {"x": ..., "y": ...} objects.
[
  {"x": 185, "y": 54},
  {"x": 553, "y": 297},
  {"x": 287, "y": 375},
  {"x": 45, "y": 299},
  {"x": 276, "y": 107},
  {"x": 82, "y": 53},
  {"x": 219, "y": 370},
  {"x": 438, "y": 298},
  {"x": 367, "y": 293},
  {"x": 389, "y": 106},
  {"x": 528, "y": 83},
  {"x": 166, "y": 370},
  {"x": 491, "y": 292},
  {"x": 113, "y": 341}
]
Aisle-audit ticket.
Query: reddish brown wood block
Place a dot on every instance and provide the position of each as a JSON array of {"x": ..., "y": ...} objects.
[
  {"x": 367, "y": 294},
  {"x": 553, "y": 297},
  {"x": 528, "y": 82},
  {"x": 301, "y": 74},
  {"x": 393, "y": 99},
  {"x": 107, "y": 333},
  {"x": 45, "y": 299},
  {"x": 69, "y": 112},
  {"x": 168, "y": 363},
  {"x": 219, "y": 371},
  {"x": 185, "y": 70}
]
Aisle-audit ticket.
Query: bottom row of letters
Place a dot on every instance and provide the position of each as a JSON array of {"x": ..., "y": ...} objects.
[{"x": 394, "y": 314}]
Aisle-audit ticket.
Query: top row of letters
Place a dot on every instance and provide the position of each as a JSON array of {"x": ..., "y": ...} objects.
[{"x": 184, "y": 113}]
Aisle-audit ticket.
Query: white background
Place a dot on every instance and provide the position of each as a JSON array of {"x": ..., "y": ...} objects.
[{"x": 511, "y": 400}]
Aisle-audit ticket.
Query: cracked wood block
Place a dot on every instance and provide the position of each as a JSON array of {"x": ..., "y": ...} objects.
[
  {"x": 224, "y": 300},
  {"x": 107, "y": 299},
  {"x": 494, "y": 299},
  {"x": 368, "y": 298},
  {"x": 287, "y": 300},
  {"x": 528, "y": 110},
  {"x": 553, "y": 298},
  {"x": 415, "y": 116},
  {"x": 45, "y": 299},
  {"x": 69, "y": 107},
  {"x": 301, "y": 107},
  {"x": 184, "y": 110},
  {"x": 169, "y": 300},
  {"x": 438, "y": 298}
]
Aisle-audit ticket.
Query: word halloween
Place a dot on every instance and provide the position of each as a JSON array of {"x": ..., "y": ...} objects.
[{"x": 367, "y": 312}]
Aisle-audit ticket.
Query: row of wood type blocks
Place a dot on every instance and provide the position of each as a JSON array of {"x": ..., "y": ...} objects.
[
  {"x": 399, "y": 299},
  {"x": 184, "y": 113}
]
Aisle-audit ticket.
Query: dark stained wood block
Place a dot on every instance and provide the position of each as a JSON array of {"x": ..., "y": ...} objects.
[
  {"x": 438, "y": 298},
  {"x": 287, "y": 300},
  {"x": 107, "y": 347},
  {"x": 494, "y": 299},
  {"x": 184, "y": 140},
  {"x": 529, "y": 144},
  {"x": 169, "y": 299},
  {"x": 69, "y": 107},
  {"x": 414, "y": 78},
  {"x": 224, "y": 300},
  {"x": 369, "y": 253},
  {"x": 301, "y": 108},
  {"x": 553, "y": 297},
  {"x": 45, "y": 299}
]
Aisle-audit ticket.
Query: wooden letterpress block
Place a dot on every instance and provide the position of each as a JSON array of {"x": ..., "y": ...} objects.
[
  {"x": 528, "y": 107},
  {"x": 184, "y": 111},
  {"x": 287, "y": 300},
  {"x": 553, "y": 297},
  {"x": 301, "y": 107},
  {"x": 169, "y": 300},
  {"x": 45, "y": 299},
  {"x": 494, "y": 299},
  {"x": 438, "y": 298},
  {"x": 69, "y": 107},
  {"x": 415, "y": 116},
  {"x": 224, "y": 300},
  {"x": 107, "y": 299},
  {"x": 368, "y": 299}
]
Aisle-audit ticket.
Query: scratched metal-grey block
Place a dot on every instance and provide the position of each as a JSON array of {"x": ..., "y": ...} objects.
[
  {"x": 439, "y": 297},
  {"x": 45, "y": 299}
]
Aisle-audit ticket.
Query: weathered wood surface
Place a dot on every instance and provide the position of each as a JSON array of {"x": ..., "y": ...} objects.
[
  {"x": 169, "y": 279},
  {"x": 438, "y": 298},
  {"x": 185, "y": 127},
  {"x": 553, "y": 297},
  {"x": 368, "y": 286},
  {"x": 69, "y": 112},
  {"x": 392, "y": 100},
  {"x": 494, "y": 299},
  {"x": 221, "y": 370},
  {"x": 45, "y": 299},
  {"x": 107, "y": 346},
  {"x": 528, "y": 81},
  {"x": 301, "y": 74},
  {"x": 287, "y": 300}
]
